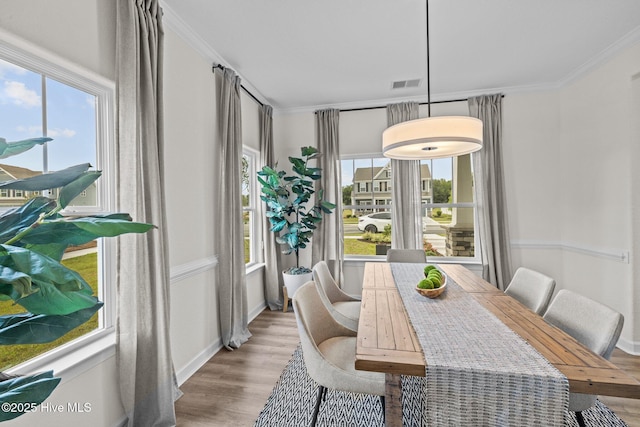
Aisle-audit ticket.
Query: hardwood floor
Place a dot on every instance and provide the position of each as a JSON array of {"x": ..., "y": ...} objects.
[
  {"x": 233, "y": 386},
  {"x": 627, "y": 409}
]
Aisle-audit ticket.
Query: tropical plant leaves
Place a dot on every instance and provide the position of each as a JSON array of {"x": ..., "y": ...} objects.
[
  {"x": 48, "y": 180},
  {"x": 289, "y": 195},
  {"x": 54, "y": 289},
  {"x": 28, "y": 328},
  {"x": 15, "y": 220},
  {"x": 8, "y": 149},
  {"x": 77, "y": 186},
  {"x": 78, "y": 231},
  {"x": 24, "y": 390}
]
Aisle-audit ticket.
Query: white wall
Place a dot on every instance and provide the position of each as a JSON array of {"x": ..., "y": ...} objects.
[
  {"x": 83, "y": 32},
  {"x": 570, "y": 173},
  {"x": 570, "y": 180}
]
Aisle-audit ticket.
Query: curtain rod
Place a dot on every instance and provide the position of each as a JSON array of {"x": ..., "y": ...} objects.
[
  {"x": 222, "y": 67},
  {"x": 420, "y": 103}
]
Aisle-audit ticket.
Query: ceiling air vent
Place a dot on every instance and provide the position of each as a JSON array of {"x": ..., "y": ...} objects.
[{"x": 400, "y": 84}]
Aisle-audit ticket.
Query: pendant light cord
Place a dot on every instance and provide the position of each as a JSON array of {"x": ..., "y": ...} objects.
[{"x": 428, "y": 69}]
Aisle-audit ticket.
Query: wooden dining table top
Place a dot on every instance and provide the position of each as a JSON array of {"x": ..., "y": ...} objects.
[{"x": 387, "y": 342}]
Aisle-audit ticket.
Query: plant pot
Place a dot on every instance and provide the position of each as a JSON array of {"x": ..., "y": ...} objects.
[
  {"x": 382, "y": 249},
  {"x": 291, "y": 284}
]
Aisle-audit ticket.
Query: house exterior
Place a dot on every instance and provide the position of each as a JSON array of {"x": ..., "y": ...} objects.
[
  {"x": 372, "y": 186},
  {"x": 12, "y": 198}
]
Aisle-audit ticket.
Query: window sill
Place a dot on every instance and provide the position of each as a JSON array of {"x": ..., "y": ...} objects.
[{"x": 70, "y": 361}]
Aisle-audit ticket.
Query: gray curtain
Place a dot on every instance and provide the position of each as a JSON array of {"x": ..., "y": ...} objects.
[
  {"x": 147, "y": 380},
  {"x": 489, "y": 192},
  {"x": 272, "y": 264},
  {"x": 229, "y": 238},
  {"x": 328, "y": 238},
  {"x": 406, "y": 227}
]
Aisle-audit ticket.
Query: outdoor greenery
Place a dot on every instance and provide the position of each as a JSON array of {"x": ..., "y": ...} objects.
[
  {"x": 87, "y": 267},
  {"x": 287, "y": 198},
  {"x": 441, "y": 191},
  {"x": 54, "y": 299}
]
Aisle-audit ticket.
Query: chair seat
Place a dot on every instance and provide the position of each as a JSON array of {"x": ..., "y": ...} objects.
[
  {"x": 341, "y": 352},
  {"x": 349, "y": 309}
]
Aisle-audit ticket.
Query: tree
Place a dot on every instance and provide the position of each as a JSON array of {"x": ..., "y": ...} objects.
[
  {"x": 346, "y": 194},
  {"x": 441, "y": 190}
]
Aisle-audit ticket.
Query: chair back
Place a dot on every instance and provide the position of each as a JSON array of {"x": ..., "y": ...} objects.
[
  {"x": 406, "y": 255},
  {"x": 532, "y": 289},
  {"x": 315, "y": 325},
  {"x": 595, "y": 325},
  {"x": 323, "y": 278}
]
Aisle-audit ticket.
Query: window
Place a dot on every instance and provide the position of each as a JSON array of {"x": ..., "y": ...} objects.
[
  {"x": 448, "y": 210},
  {"x": 41, "y": 95},
  {"x": 249, "y": 205}
]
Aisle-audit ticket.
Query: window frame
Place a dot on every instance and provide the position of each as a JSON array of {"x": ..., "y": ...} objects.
[
  {"x": 255, "y": 252},
  {"x": 77, "y": 355},
  {"x": 476, "y": 259}
]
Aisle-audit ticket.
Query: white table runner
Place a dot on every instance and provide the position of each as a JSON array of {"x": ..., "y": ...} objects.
[{"x": 479, "y": 372}]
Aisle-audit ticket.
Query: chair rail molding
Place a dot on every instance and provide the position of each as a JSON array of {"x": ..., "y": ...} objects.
[
  {"x": 620, "y": 255},
  {"x": 192, "y": 268}
]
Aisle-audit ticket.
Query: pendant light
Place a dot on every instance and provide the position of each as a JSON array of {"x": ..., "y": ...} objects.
[{"x": 432, "y": 137}]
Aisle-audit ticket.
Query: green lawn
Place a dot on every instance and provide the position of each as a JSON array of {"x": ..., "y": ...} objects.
[
  {"x": 12, "y": 355},
  {"x": 359, "y": 247}
]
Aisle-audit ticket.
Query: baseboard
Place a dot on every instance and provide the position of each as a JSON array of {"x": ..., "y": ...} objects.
[
  {"x": 630, "y": 347},
  {"x": 203, "y": 357},
  {"x": 256, "y": 311},
  {"x": 198, "y": 362}
]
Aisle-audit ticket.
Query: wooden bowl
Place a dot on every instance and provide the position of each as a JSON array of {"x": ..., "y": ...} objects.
[{"x": 436, "y": 292}]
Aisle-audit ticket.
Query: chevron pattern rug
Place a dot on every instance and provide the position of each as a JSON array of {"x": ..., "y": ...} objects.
[{"x": 292, "y": 400}]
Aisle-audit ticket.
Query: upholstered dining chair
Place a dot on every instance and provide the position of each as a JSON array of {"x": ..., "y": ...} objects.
[
  {"x": 343, "y": 307},
  {"x": 329, "y": 350},
  {"x": 406, "y": 255},
  {"x": 593, "y": 324},
  {"x": 532, "y": 289}
]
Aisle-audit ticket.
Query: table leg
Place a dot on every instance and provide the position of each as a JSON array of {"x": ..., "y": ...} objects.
[{"x": 393, "y": 400}]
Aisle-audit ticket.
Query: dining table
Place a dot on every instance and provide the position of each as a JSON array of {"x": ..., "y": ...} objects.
[{"x": 387, "y": 340}]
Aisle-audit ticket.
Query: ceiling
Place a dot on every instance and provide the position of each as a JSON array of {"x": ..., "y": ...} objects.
[{"x": 301, "y": 55}]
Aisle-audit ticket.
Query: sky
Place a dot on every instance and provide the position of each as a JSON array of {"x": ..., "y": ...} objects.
[{"x": 71, "y": 120}]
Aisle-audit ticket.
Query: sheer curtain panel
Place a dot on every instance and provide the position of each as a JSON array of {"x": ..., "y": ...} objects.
[
  {"x": 327, "y": 242},
  {"x": 272, "y": 265},
  {"x": 148, "y": 385},
  {"x": 489, "y": 191},
  {"x": 229, "y": 238},
  {"x": 406, "y": 227}
]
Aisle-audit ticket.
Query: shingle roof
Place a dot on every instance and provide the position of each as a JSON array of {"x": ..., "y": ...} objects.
[{"x": 19, "y": 173}]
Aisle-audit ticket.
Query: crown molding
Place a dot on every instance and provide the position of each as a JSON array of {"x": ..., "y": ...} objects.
[
  {"x": 628, "y": 40},
  {"x": 176, "y": 24}
]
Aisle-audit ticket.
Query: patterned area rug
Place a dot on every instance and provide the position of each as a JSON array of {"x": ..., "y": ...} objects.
[{"x": 294, "y": 395}]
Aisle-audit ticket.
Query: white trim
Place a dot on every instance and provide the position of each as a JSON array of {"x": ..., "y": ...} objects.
[
  {"x": 192, "y": 268},
  {"x": 631, "y": 347},
  {"x": 620, "y": 255},
  {"x": 203, "y": 357},
  {"x": 174, "y": 22},
  {"x": 69, "y": 360},
  {"x": 627, "y": 40},
  {"x": 198, "y": 362}
]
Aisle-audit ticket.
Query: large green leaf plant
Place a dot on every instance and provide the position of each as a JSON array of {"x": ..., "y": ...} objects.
[
  {"x": 33, "y": 239},
  {"x": 287, "y": 198}
]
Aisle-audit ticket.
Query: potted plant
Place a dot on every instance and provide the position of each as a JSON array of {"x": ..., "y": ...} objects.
[
  {"x": 33, "y": 238},
  {"x": 287, "y": 198}
]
